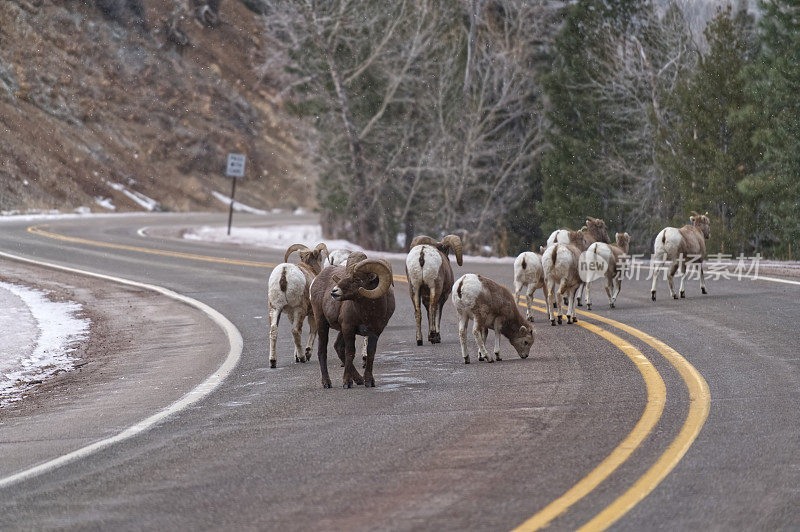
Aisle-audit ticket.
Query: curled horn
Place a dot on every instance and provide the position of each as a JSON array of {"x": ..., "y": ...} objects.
[
  {"x": 454, "y": 242},
  {"x": 695, "y": 214},
  {"x": 322, "y": 247},
  {"x": 354, "y": 258},
  {"x": 423, "y": 239},
  {"x": 382, "y": 269},
  {"x": 591, "y": 219},
  {"x": 292, "y": 249}
]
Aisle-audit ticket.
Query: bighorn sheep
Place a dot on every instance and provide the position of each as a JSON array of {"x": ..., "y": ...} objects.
[
  {"x": 287, "y": 291},
  {"x": 492, "y": 307},
  {"x": 430, "y": 279},
  {"x": 528, "y": 275},
  {"x": 612, "y": 256},
  {"x": 595, "y": 230},
  {"x": 560, "y": 265},
  {"x": 679, "y": 246},
  {"x": 354, "y": 299}
]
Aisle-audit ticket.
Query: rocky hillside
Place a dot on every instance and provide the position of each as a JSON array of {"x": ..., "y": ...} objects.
[{"x": 102, "y": 114}]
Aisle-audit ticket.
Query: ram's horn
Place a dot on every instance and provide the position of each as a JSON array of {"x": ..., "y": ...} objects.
[
  {"x": 323, "y": 247},
  {"x": 292, "y": 249},
  {"x": 454, "y": 243},
  {"x": 383, "y": 270}
]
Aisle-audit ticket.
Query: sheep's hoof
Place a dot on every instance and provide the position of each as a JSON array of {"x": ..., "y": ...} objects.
[
  {"x": 581, "y": 304},
  {"x": 674, "y": 296},
  {"x": 466, "y": 360},
  {"x": 555, "y": 305},
  {"x": 683, "y": 295},
  {"x": 703, "y": 289},
  {"x": 347, "y": 385},
  {"x": 435, "y": 338},
  {"x": 326, "y": 383},
  {"x": 419, "y": 342},
  {"x": 612, "y": 305},
  {"x": 489, "y": 359},
  {"x": 574, "y": 319},
  {"x": 588, "y": 306},
  {"x": 273, "y": 363},
  {"x": 369, "y": 383},
  {"x": 481, "y": 358},
  {"x": 553, "y": 322},
  {"x": 653, "y": 295},
  {"x": 497, "y": 357},
  {"x": 559, "y": 320}
]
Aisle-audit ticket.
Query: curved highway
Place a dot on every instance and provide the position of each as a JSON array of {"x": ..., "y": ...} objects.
[{"x": 667, "y": 415}]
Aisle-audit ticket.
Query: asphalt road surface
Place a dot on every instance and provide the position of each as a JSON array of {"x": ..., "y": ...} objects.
[{"x": 608, "y": 423}]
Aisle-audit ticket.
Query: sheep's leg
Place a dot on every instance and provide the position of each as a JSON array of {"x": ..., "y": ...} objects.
[
  {"x": 433, "y": 308},
  {"x": 588, "y": 290},
  {"x": 463, "y": 322},
  {"x": 323, "y": 329},
  {"x": 654, "y": 261},
  {"x": 338, "y": 346},
  {"x": 609, "y": 285},
  {"x": 670, "y": 277},
  {"x": 497, "y": 325},
  {"x": 702, "y": 280},
  {"x": 582, "y": 289},
  {"x": 683, "y": 279},
  {"x": 351, "y": 374},
  {"x": 274, "y": 317},
  {"x": 312, "y": 334},
  {"x": 297, "y": 328},
  {"x": 618, "y": 280},
  {"x": 418, "y": 312},
  {"x": 364, "y": 352},
  {"x": 439, "y": 319},
  {"x": 549, "y": 295},
  {"x": 562, "y": 295},
  {"x": 529, "y": 301},
  {"x": 372, "y": 345},
  {"x": 571, "y": 317},
  {"x": 480, "y": 339}
]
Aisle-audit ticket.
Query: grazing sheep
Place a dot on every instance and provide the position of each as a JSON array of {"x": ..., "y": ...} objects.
[
  {"x": 430, "y": 279},
  {"x": 287, "y": 291},
  {"x": 613, "y": 256},
  {"x": 355, "y": 299},
  {"x": 679, "y": 246},
  {"x": 560, "y": 265},
  {"x": 492, "y": 307},
  {"x": 528, "y": 275}
]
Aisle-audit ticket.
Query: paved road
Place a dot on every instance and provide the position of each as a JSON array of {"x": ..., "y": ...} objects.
[{"x": 440, "y": 445}]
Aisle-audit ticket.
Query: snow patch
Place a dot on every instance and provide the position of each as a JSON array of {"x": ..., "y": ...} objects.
[
  {"x": 237, "y": 206},
  {"x": 45, "y": 335},
  {"x": 147, "y": 203},
  {"x": 105, "y": 203}
]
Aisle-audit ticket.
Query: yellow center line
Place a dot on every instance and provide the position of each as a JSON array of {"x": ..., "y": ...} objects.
[
  {"x": 699, "y": 405},
  {"x": 656, "y": 395}
]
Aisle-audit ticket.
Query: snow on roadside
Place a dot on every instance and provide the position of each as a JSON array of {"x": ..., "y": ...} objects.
[
  {"x": 47, "y": 333},
  {"x": 237, "y": 206},
  {"x": 281, "y": 237},
  {"x": 147, "y": 203}
]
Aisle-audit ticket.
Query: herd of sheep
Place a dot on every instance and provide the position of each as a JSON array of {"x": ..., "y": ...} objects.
[{"x": 352, "y": 294}]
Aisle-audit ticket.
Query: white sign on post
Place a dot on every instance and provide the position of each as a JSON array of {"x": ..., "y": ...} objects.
[{"x": 236, "y": 162}]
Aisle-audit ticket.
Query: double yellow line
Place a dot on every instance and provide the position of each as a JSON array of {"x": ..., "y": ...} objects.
[{"x": 699, "y": 403}]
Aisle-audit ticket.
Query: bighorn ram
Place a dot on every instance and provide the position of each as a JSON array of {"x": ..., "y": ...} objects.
[
  {"x": 560, "y": 265},
  {"x": 528, "y": 275},
  {"x": 613, "y": 257},
  {"x": 430, "y": 279},
  {"x": 287, "y": 291},
  {"x": 679, "y": 246},
  {"x": 355, "y": 299},
  {"x": 595, "y": 230},
  {"x": 492, "y": 307}
]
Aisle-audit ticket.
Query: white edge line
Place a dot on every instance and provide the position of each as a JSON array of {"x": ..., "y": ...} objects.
[
  {"x": 773, "y": 279},
  {"x": 197, "y": 393}
]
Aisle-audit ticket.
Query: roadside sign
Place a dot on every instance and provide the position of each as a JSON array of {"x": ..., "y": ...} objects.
[{"x": 236, "y": 162}]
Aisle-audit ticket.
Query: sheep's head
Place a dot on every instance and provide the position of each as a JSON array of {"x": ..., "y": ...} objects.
[
  {"x": 367, "y": 278},
  {"x": 702, "y": 222},
  {"x": 523, "y": 340},
  {"x": 597, "y": 228},
  {"x": 623, "y": 241},
  {"x": 312, "y": 257}
]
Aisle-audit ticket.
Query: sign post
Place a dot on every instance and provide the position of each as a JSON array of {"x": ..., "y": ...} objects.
[{"x": 235, "y": 170}]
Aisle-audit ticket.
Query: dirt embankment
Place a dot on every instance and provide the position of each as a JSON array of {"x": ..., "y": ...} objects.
[{"x": 87, "y": 103}]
